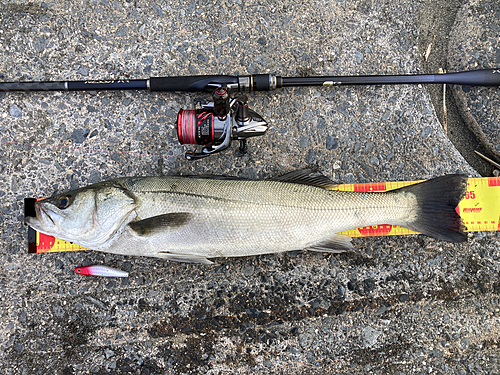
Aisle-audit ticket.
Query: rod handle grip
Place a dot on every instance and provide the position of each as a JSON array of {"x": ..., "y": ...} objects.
[
  {"x": 190, "y": 83},
  {"x": 482, "y": 77}
]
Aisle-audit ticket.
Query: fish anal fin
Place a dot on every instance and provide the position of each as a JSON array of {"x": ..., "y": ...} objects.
[
  {"x": 184, "y": 258},
  {"x": 158, "y": 223},
  {"x": 336, "y": 244},
  {"x": 307, "y": 177}
]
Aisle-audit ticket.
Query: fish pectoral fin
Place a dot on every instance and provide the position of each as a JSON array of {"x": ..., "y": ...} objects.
[
  {"x": 156, "y": 224},
  {"x": 307, "y": 177},
  {"x": 337, "y": 244},
  {"x": 185, "y": 258}
]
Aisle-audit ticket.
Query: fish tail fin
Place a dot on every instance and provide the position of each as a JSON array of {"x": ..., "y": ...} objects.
[{"x": 436, "y": 214}]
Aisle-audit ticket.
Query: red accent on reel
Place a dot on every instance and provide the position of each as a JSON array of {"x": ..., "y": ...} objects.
[{"x": 220, "y": 90}]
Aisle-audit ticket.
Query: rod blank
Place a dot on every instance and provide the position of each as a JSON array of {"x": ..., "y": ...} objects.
[
  {"x": 484, "y": 77},
  {"x": 141, "y": 84},
  {"x": 259, "y": 82}
]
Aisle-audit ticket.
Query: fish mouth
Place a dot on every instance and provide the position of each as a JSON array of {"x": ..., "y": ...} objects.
[
  {"x": 33, "y": 222},
  {"x": 44, "y": 212},
  {"x": 43, "y": 217}
]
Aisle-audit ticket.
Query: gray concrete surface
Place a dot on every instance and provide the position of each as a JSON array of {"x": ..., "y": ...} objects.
[
  {"x": 438, "y": 23},
  {"x": 474, "y": 44},
  {"x": 395, "y": 305}
]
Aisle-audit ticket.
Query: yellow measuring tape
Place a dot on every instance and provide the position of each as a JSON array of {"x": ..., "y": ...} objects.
[
  {"x": 480, "y": 211},
  {"x": 480, "y": 208}
]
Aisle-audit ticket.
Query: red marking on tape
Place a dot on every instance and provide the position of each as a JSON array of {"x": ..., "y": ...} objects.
[
  {"x": 369, "y": 187},
  {"x": 494, "y": 181},
  {"x": 474, "y": 209},
  {"x": 46, "y": 242},
  {"x": 375, "y": 230}
]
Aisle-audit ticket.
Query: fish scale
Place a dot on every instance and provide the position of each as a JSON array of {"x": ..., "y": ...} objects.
[{"x": 237, "y": 218}]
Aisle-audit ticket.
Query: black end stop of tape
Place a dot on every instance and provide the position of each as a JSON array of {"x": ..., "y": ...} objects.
[
  {"x": 29, "y": 207},
  {"x": 32, "y": 240},
  {"x": 29, "y": 211}
]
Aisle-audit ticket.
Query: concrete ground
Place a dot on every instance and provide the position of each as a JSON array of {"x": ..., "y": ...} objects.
[{"x": 393, "y": 306}]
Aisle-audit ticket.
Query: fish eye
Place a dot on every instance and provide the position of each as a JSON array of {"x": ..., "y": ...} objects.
[{"x": 64, "y": 202}]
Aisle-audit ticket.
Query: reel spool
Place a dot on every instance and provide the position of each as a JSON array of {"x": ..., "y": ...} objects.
[{"x": 218, "y": 123}]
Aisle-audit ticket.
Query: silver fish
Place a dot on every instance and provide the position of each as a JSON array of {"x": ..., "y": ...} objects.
[{"x": 192, "y": 219}]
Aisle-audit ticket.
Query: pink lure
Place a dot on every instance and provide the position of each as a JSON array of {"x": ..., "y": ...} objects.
[{"x": 98, "y": 270}]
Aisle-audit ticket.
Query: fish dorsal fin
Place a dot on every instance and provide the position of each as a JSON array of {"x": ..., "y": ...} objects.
[
  {"x": 155, "y": 224},
  {"x": 307, "y": 177}
]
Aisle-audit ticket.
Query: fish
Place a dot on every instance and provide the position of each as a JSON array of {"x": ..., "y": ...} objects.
[
  {"x": 99, "y": 270},
  {"x": 198, "y": 218}
]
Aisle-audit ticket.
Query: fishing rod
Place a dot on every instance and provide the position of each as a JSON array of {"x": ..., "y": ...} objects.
[{"x": 227, "y": 118}]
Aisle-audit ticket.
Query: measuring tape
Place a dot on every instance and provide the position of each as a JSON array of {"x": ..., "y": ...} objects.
[{"x": 480, "y": 211}]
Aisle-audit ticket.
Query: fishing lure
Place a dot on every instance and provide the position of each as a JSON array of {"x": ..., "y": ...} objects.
[{"x": 98, "y": 270}]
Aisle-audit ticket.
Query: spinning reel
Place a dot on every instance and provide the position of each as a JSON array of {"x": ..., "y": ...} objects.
[{"x": 219, "y": 122}]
